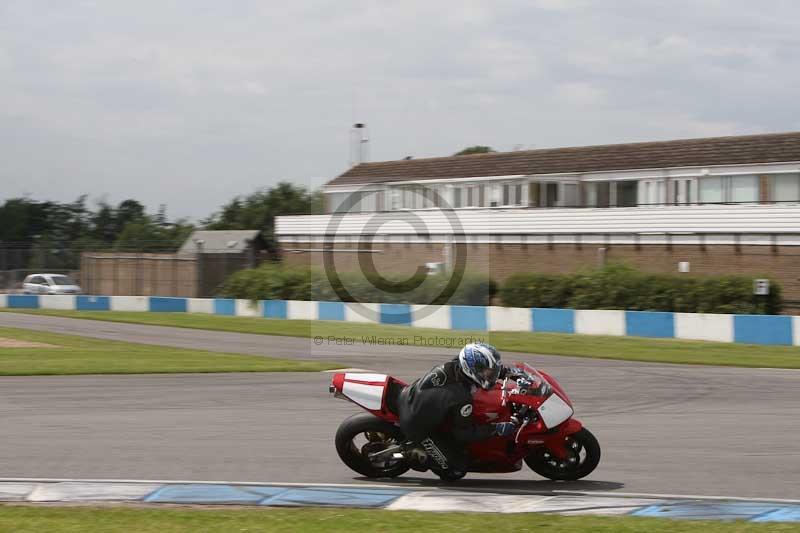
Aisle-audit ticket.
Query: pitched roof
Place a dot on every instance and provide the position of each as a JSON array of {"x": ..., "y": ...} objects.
[
  {"x": 219, "y": 241},
  {"x": 768, "y": 148}
]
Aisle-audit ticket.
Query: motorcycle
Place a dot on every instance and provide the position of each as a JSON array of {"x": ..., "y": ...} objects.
[{"x": 548, "y": 439}]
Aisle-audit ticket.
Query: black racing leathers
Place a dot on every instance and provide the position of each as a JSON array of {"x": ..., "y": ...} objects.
[{"x": 439, "y": 405}]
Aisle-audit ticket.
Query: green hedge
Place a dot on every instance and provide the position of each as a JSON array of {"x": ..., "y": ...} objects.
[
  {"x": 622, "y": 287},
  {"x": 610, "y": 287},
  {"x": 272, "y": 281}
]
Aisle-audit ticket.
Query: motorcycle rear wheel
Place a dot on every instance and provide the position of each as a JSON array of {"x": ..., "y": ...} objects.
[
  {"x": 379, "y": 435},
  {"x": 584, "y": 456}
]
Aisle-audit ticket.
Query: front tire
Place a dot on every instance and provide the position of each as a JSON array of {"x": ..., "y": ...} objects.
[
  {"x": 583, "y": 457},
  {"x": 378, "y": 435}
]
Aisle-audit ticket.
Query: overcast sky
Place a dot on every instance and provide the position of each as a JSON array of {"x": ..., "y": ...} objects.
[{"x": 191, "y": 102}]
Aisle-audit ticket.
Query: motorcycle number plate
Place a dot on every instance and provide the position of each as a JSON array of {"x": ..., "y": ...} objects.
[{"x": 554, "y": 411}]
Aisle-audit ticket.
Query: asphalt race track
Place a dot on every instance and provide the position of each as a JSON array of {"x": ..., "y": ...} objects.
[{"x": 665, "y": 429}]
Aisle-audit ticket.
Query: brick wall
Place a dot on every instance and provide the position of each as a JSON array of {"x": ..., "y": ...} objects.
[{"x": 500, "y": 260}]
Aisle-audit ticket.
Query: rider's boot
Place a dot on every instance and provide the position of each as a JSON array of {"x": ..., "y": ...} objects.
[{"x": 417, "y": 458}]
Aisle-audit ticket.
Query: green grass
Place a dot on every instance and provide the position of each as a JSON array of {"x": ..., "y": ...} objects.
[
  {"x": 30, "y": 519},
  {"x": 625, "y": 348},
  {"x": 82, "y": 355}
]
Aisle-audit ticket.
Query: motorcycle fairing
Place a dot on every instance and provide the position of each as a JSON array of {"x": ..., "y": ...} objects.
[{"x": 368, "y": 391}]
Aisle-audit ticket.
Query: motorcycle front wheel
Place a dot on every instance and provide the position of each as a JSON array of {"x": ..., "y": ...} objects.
[
  {"x": 583, "y": 456},
  {"x": 363, "y": 434}
]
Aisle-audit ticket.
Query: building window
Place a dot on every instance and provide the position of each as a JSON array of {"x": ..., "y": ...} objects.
[
  {"x": 408, "y": 198},
  {"x": 482, "y": 195},
  {"x": 598, "y": 194},
  {"x": 429, "y": 193},
  {"x": 457, "y": 196},
  {"x": 570, "y": 195},
  {"x": 351, "y": 203},
  {"x": 652, "y": 192},
  {"x": 495, "y": 194},
  {"x": 534, "y": 188},
  {"x": 724, "y": 189},
  {"x": 627, "y": 193},
  {"x": 511, "y": 194},
  {"x": 335, "y": 200},
  {"x": 710, "y": 190},
  {"x": 785, "y": 188},
  {"x": 473, "y": 196},
  {"x": 744, "y": 189},
  {"x": 550, "y": 194},
  {"x": 366, "y": 203}
]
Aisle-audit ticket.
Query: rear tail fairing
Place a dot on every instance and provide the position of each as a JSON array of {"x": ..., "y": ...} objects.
[{"x": 368, "y": 391}]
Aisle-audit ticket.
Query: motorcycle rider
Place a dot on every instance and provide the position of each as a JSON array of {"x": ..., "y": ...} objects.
[{"x": 436, "y": 410}]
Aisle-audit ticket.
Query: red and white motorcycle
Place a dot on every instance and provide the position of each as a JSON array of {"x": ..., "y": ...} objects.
[{"x": 548, "y": 439}]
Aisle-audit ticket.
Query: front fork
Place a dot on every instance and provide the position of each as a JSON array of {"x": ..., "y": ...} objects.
[{"x": 556, "y": 442}]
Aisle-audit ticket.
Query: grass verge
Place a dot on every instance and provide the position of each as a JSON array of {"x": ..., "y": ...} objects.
[
  {"x": 603, "y": 347},
  {"x": 81, "y": 355},
  {"x": 29, "y": 519}
]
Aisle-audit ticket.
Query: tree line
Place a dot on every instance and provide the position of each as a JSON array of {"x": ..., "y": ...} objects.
[{"x": 53, "y": 234}]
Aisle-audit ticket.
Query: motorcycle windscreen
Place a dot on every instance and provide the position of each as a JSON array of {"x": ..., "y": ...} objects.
[
  {"x": 365, "y": 389},
  {"x": 554, "y": 411}
]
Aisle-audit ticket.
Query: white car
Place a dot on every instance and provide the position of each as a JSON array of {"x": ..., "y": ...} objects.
[{"x": 49, "y": 284}]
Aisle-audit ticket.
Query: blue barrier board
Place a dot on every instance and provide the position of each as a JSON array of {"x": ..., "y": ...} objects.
[
  {"x": 330, "y": 310},
  {"x": 274, "y": 308},
  {"x": 224, "y": 306},
  {"x": 161, "y": 304},
  {"x": 396, "y": 314},
  {"x": 468, "y": 317},
  {"x": 553, "y": 320},
  {"x": 649, "y": 324}
]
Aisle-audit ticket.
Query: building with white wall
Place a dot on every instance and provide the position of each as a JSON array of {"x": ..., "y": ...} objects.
[{"x": 717, "y": 205}]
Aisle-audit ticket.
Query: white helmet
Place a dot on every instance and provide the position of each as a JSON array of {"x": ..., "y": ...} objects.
[{"x": 481, "y": 363}]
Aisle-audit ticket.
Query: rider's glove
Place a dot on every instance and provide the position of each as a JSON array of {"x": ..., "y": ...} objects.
[{"x": 504, "y": 429}]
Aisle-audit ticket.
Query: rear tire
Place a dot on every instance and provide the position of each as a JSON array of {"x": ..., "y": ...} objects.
[
  {"x": 578, "y": 465},
  {"x": 379, "y": 434}
]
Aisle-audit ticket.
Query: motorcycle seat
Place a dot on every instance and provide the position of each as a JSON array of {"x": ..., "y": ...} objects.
[{"x": 393, "y": 391}]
